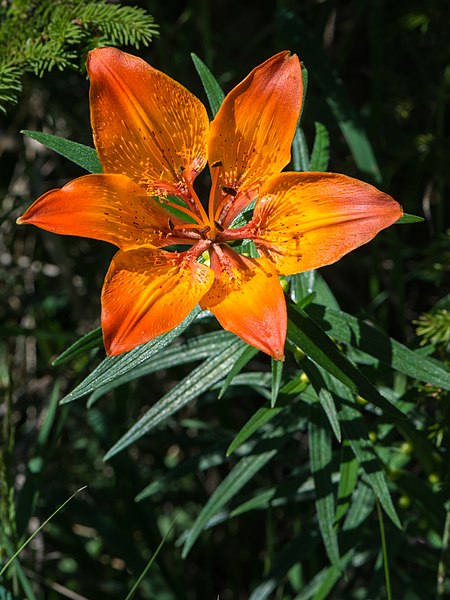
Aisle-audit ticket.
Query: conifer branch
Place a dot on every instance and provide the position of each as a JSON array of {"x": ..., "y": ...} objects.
[{"x": 37, "y": 36}]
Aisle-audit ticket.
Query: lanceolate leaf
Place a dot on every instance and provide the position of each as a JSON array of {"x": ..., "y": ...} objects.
[
  {"x": 320, "y": 456},
  {"x": 197, "y": 382},
  {"x": 116, "y": 366},
  {"x": 320, "y": 155},
  {"x": 304, "y": 332},
  {"x": 347, "y": 481},
  {"x": 242, "y": 473},
  {"x": 90, "y": 340},
  {"x": 212, "y": 88},
  {"x": 193, "y": 349},
  {"x": 277, "y": 374},
  {"x": 265, "y": 414},
  {"x": 213, "y": 457},
  {"x": 324, "y": 395},
  {"x": 406, "y": 219},
  {"x": 365, "y": 337},
  {"x": 300, "y": 153},
  {"x": 247, "y": 354},
  {"x": 82, "y": 155},
  {"x": 358, "y": 437},
  {"x": 238, "y": 477},
  {"x": 299, "y": 548}
]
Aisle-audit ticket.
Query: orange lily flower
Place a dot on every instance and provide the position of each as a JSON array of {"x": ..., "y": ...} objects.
[{"x": 153, "y": 138}]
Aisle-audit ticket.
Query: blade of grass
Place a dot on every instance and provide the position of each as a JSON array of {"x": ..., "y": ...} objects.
[
  {"x": 34, "y": 534},
  {"x": 138, "y": 582}
]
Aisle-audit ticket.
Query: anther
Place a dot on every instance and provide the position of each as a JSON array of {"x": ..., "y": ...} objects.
[{"x": 229, "y": 190}]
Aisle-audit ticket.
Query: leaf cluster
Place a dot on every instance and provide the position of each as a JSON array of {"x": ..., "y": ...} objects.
[{"x": 38, "y": 36}]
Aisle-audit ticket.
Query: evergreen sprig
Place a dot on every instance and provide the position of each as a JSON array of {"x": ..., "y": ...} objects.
[{"x": 38, "y": 35}]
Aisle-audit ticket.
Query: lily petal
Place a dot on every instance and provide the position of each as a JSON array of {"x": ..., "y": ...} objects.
[
  {"x": 307, "y": 220},
  {"x": 146, "y": 294},
  {"x": 145, "y": 124},
  {"x": 252, "y": 133},
  {"x": 247, "y": 299},
  {"x": 104, "y": 207}
]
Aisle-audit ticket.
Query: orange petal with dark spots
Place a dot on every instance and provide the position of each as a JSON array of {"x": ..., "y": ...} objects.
[
  {"x": 104, "y": 207},
  {"x": 145, "y": 124},
  {"x": 252, "y": 132},
  {"x": 307, "y": 220},
  {"x": 247, "y": 299},
  {"x": 147, "y": 293}
]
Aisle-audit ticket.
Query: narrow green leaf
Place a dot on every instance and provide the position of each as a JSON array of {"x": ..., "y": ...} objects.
[
  {"x": 300, "y": 548},
  {"x": 213, "y": 90},
  {"x": 258, "y": 420},
  {"x": 294, "y": 489},
  {"x": 277, "y": 374},
  {"x": 193, "y": 465},
  {"x": 348, "y": 477},
  {"x": 320, "y": 155},
  {"x": 116, "y": 366},
  {"x": 193, "y": 349},
  {"x": 365, "y": 337},
  {"x": 306, "y": 334},
  {"x": 247, "y": 354},
  {"x": 234, "y": 481},
  {"x": 357, "y": 435},
  {"x": 320, "y": 456},
  {"x": 324, "y": 395},
  {"x": 300, "y": 153},
  {"x": 41, "y": 526},
  {"x": 197, "y": 382},
  {"x": 321, "y": 585},
  {"x": 263, "y": 415},
  {"x": 305, "y": 81},
  {"x": 81, "y": 155},
  {"x": 92, "y": 339},
  {"x": 363, "y": 501},
  {"x": 269, "y": 446},
  {"x": 409, "y": 219},
  {"x": 138, "y": 582}
]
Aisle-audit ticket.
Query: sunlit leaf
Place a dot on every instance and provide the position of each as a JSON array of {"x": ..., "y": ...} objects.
[
  {"x": 213, "y": 90},
  {"x": 116, "y": 366},
  {"x": 197, "y": 382},
  {"x": 82, "y": 155}
]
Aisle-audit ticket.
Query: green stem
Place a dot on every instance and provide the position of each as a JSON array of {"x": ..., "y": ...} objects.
[
  {"x": 442, "y": 559},
  {"x": 384, "y": 550}
]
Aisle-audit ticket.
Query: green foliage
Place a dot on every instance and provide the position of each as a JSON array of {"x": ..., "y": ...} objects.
[{"x": 38, "y": 36}]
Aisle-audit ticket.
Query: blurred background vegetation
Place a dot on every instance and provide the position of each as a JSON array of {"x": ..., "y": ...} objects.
[{"x": 374, "y": 66}]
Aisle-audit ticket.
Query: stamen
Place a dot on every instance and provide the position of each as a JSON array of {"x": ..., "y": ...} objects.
[
  {"x": 212, "y": 193},
  {"x": 196, "y": 202},
  {"x": 186, "y": 211}
]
